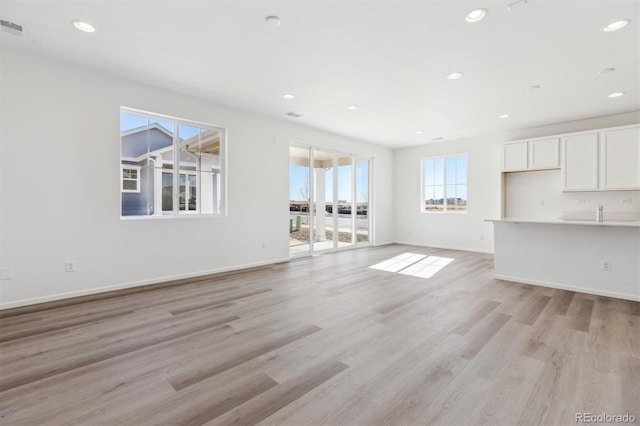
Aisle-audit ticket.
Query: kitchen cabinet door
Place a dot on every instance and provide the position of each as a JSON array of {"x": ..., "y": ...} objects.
[
  {"x": 580, "y": 162},
  {"x": 514, "y": 156},
  {"x": 620, "y": 159},
  {"x": 544, "y": 154}
]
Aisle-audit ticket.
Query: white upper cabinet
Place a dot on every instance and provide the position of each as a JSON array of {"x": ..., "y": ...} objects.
[
  {"x": 580, "y": 162},
  {"x": 535, "y": 154},
  {"x": 514, "y": 156},
  {"x": 544, "y": 153},
  {"x": 620, "y": 159}
]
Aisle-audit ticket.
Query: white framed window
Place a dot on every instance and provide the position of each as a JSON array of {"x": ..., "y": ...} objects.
[
  {"x": 130, "y": 179},
  {"x": 444, "y": 184},
  {"x": 170, "y": 166}
]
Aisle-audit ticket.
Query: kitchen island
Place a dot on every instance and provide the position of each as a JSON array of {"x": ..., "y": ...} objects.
[{"x": 584, "y": 256}]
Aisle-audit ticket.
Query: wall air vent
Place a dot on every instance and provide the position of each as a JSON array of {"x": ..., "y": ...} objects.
[
  {"x": 11, "y": 28},
  {"x": 294, "y": 114}
]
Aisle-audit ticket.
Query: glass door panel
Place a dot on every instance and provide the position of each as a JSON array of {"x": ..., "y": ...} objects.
[
  {"x": 299, "y": 200},
  {"x": 345, "y": 201},
  {"x": 362, "y": 201},
  {"x": 323, "y": 197}
]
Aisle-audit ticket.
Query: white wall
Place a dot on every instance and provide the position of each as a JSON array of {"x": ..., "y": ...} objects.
[
  {"x": 538, "y": 195},
  {"x": 468, "y": 231},
  {"x": 59, "y": 186}
]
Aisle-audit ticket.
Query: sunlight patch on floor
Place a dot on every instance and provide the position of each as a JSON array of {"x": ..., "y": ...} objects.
[{"x": 416, "y": 265}]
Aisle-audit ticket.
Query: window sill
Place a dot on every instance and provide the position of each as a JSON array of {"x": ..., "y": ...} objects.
[
  {"x": 445, "y": 212},
  {"x": 172, "y": 217}
]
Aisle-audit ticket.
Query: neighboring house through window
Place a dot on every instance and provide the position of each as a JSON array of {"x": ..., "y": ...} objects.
[
  {"x": 130, "y": 179},
  {"x": 444, "y": 184},
  {"x": 169, "y": 166}
]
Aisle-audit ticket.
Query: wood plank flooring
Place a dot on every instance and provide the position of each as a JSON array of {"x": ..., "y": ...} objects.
[{"x": 325, "y": 341}]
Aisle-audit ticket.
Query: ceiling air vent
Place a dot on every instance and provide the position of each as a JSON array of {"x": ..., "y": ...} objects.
[
  {"x": 11, "y": 28},
  {"x": 294, "y": 114}
]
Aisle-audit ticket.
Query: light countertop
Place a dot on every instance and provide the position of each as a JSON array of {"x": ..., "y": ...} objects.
[{"x": 623, "y": 223}]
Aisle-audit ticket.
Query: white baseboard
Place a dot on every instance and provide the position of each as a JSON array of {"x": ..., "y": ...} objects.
[
  {"x": 474, "y": 250},
  {"x": 386, "y": 243},
  {"x": 157, "y": 280},
  {"x": 634, "y": 297}
]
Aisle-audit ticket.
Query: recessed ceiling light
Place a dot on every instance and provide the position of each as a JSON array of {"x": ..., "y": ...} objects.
[
  {"x": 476, "y": 15},
  {"x": 353, "y": 107},
  {"x": 615, "y": 26},
  {"x": 504, "y": 116},
  {"x": 83, "y": 26},
  {"x": 616, "y": 95},
  {"x": 288, "y": 96},
  {"x": 455, "y": 75},
  {"x": 606, "y": 71},
  {"x": 273, "y": 20},
  {"x": 533, "y": 88},
  {"x": 418, "y": 132}
]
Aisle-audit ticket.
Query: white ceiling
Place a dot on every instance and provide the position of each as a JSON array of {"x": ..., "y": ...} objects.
[{"x": 389, "y": 57}]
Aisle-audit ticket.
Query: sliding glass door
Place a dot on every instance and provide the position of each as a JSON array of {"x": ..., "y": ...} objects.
[{"x": 328, "y": 200}]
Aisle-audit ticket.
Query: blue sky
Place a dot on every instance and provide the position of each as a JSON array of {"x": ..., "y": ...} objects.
[
  {"x": 298, "y": 176},
  {"x": 131, "y": 121}
]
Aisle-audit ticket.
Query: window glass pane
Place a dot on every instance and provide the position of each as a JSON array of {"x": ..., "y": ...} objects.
[
  {"x": 167, "y": 191},
  {"x": 299, "y": 194},
  {"x": 429, "y": 171},
  {"x": 438, "y": 174},
  {"x": 147, "y": 189},
  {"x": 129, "y": 185},
  {"x": 451, "y": 170},
  {"x": 451, "y": 194},
  {"x": 461, "y": 169},
  {"x": 429, "y": 197},
  {"x": 192, "y": 193},
  {"x": 182, "y": 183},
  {"x": 345, "y": 200},
  {"x": 434, "y": 198},
  {"x": 461, "y": 194},
  {"x": 189, "y": 146},
  {"x": 362, "y": 189},
  {"x": 137, "y": 196},
  {"x": 324, "y": 232},
  {"x": 209, "y": 194}
]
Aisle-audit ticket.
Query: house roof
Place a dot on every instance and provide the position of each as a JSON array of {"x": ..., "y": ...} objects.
[{"x": 146, "y": 127}]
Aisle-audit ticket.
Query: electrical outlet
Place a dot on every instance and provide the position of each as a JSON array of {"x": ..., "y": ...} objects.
[
  {"x": 627, "y": 201},
  {"x": 581, "y": 201},
  {"x": 605, "y": 265},
  {"x": 481, "y": 237},
  {"x": 71, "y": 266},
  {"x": 265, "y": 245},
  {"x": 6, "y": 273},
  {"x": 541, "y": 203}
]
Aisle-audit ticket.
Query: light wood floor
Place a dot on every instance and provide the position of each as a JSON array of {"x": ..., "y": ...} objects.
[{"x": 326, "y": 340}]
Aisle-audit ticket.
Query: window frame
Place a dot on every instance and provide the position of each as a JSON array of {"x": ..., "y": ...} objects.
[
  {"x": 137, "y": 180},
  {"x": 222, "y": 172},
  {"x": 444, "y": 184}
]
